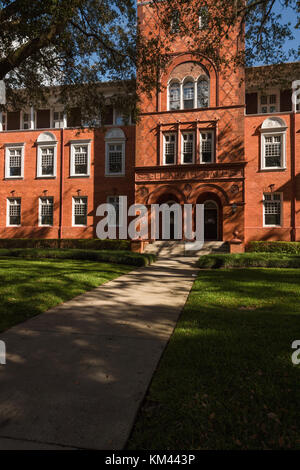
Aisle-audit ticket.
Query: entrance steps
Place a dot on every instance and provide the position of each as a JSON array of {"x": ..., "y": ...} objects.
[{"x": 173, "y": 248}]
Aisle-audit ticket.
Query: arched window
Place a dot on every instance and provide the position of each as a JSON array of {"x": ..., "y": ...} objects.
[
  {"x": 188, "y": 95},
  {"x": 203, "y": 93},
  {"x": 174, "y": 96}
]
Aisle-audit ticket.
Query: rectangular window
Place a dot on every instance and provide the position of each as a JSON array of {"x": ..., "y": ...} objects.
[
  {"x": 273, "y": 151},
  {"x": 14, "y": 163},
  {"x": 58, "y": 119},
  {"x": 114, "y": 221},
  {"x": 14, "y": 212},
  {"x": 80, "y": 159},
  {"x": 79, "y": 211},
  {"x": 26, "y": 120},
  {"x": 170, "y": 149},
  {"x": 269, "y": 103},
  {"x": 188, "y": 147},
  {"x": 115, "y": 158},
  {"x": 206, "y": 147},
  {"x": 46, "y": 211},
  {"x": 272, "y": 209},
  {"x": 47, "y": 161}
]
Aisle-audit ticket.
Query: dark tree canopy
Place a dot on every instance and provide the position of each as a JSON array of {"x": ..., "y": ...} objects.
[{"x": 78, "y": 43}]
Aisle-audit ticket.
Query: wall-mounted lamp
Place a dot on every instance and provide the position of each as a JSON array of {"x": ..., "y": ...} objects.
[
  {"x": 272, "y": 186},
  {"x": 234, "y": 208},
  {"x": 45, "y": 192},
  {"x": 78, "y": 192}
]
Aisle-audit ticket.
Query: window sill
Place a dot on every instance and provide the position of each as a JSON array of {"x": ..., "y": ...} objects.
[
  {"x": 79, "y": 176},
  {"x": 13, "y": 178},
  {"x": 45, "y": 177},
  {"x": 273, "y": 169},
  {"x": 117, "y": 175}
]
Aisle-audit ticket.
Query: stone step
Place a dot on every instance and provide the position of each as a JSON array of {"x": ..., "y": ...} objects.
[{"x": 179, "y": 248}]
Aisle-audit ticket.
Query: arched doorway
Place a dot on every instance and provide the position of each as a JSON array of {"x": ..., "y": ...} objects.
[
  {"x": 213, "y": 216},
  {"x": 168, "y": 199},
  {"x": 211, "y": 221}
]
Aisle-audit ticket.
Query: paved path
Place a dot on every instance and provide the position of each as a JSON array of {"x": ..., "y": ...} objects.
[{"x": 76, "y": 375}]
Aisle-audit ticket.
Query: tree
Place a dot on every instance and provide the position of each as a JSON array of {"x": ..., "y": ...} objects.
[{"x": 79, "y": 43}]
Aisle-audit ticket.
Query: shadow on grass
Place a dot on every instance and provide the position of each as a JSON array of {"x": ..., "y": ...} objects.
[
  {"x": 226, "y": 380},
  {"x": 31, "y": 287}
]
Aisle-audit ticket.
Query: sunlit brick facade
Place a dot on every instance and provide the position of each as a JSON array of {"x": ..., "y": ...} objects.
[{"x": 210, "y": 136}]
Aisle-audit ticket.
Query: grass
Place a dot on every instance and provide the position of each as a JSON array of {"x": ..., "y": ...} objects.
[
  {"x": 28, "y": 288},
  {"x": 245, "y": 260},
  {"x": 109, "y": 256},
  {"x": 226, "y": 380}
]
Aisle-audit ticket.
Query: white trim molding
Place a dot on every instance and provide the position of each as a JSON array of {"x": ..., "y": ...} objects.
[
  {"x": 85, "y": 161},
  {"x": 46, "y": 147},
  {"x": 273, "y": 139},
  {"x": 20, "y": 149}
]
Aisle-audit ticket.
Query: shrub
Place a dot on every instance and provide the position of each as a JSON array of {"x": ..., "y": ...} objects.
[
  {"x": 249, "y": 260},
  {"x": 85, "y": 244},
  {"x": 274, "y": 247},
  {"x": 116, "y": 257}
]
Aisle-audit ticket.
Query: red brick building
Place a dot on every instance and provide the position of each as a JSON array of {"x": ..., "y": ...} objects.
[{"x": 210, "y": 136}]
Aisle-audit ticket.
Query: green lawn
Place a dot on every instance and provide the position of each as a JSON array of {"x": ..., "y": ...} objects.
[
  {"x": 226, "y": 380},
  {"x": 31, "y": 287}
]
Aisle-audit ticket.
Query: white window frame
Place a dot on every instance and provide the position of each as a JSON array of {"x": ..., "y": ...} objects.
[
  {"x": 213, "y": 157},
  {"x": 40, "y": 211},
  {"x": 182, "y": 147},
  {"x": 9, "y": 147},
  {"x": 9, "y": 199},
  {"x": 81, "y": 143},
  {"x": 164, "y": 148},
  {"x": 40, "y": 146},
  {"x": 174, "y": 82},
  {"x": 269, "y": 133},
  {"x": 281, "y": 209},
  {"x": 114, "y": 142},
  {"x": 73, "y": 211},
  {"x": 268, "y": 93},
  {"x": 63, "y": 121},
  {"x": 29, "y": 121}
]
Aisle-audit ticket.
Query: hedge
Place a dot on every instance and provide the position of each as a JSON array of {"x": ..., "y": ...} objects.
[
  {"x": 274, "y": 247},
  {"x": 249, "y": 260},
  {"x": 116, "y": 257},
  {"x": 85, "y": 244}
]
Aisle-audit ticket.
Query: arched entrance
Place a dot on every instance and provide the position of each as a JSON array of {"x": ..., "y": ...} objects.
[
  {"x": 168, "y": 199},
  {"x": 211, "y": 221},
  {"x": 213, "y": 216}
]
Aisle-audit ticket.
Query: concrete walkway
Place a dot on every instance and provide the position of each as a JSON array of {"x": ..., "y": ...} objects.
[{"x": 76, "y": 375}]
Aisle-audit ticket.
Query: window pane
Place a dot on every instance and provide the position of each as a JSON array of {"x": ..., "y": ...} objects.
[
  {"x": 175, "y": 96},
  {"x": 203, "y": 93},
  {"x": 81, "y": 160},
  {"x": 188, "y": 148},
  {"x": 188, "y": 95},
  {"x": 47, "y": 161}
]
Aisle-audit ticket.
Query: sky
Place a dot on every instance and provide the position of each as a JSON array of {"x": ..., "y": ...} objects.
[{"x": 290, "y": 16}]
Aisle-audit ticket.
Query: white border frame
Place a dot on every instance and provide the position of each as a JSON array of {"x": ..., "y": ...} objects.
[
  {"x": 281, "y": 210},
  {"x": 7, "y": 212},
  {"x": 182, "y": 145},
  {"x": 213, "y": 150},
  {"x": 73, "y": 212},
  {"x": 40, "y": 215},
  {"x": 40, "y": 146},
  {"x": 176, "y": 148},
  {"x": 14, "y": 146},
  {"x": 73, "y": 143},
  {"x": 114, "y": 142},
  {"x": 273, "y": 133}
]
